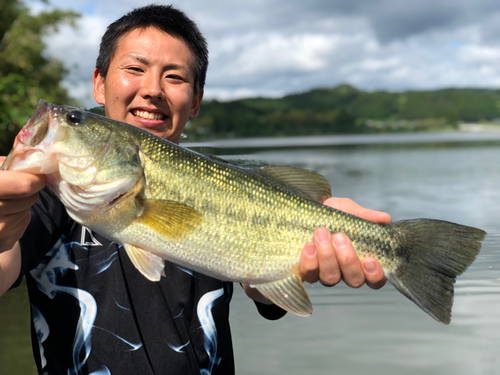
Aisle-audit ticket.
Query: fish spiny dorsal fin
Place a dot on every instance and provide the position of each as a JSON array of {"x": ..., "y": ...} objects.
[
  {"x": 169, "y": 219},
  {"x": 289, "y": 294},
  {"x": 309, "y": 184},
  {"x": 216, "y": 158},
  {"x": 150, "y": 265}
]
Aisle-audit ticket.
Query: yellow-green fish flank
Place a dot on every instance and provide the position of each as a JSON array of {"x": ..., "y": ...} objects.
[{"x": 164, "y": 202}]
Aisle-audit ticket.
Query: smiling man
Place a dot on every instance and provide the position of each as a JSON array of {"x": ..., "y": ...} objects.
[
  {"x": 92, "y": 311},
  {"x": 149, "y": 83}
]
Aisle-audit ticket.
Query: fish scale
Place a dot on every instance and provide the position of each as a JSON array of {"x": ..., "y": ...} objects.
[
  {"x": 164, "y": 202},
  {"x": 292, "y": 218}
]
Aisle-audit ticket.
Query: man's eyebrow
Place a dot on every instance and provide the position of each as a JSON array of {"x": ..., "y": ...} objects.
[
  {"x": 139, "y": 58},
  {"x": 173, "y": 66},
  {"x": 145, "y": 61}
]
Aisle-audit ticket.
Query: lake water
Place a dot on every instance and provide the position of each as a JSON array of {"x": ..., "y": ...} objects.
[{"x": 359, "y": 331}]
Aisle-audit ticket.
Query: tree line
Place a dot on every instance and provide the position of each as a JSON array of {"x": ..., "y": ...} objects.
[{"x": 345, "y": 109}]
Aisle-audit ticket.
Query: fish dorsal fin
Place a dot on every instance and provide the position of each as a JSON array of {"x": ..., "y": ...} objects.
[
  {"x": 309, "y": 184},
  {"x": 216, "y": 158},
  {"x": 169, "y": 219},
  {"x": 150, "y": 265},
  {"x": 289, "y": 294}
]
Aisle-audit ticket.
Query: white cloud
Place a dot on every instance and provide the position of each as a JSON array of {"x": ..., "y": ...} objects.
[
  {"x": 274, "y": 47},
  {"x": 224, "y": 94},
  {"x": 274, "y": 52},
  {"x": 374, "y": 64},
  {"x": 480, "y": 54},
  {"x": 78, "y": 48}
]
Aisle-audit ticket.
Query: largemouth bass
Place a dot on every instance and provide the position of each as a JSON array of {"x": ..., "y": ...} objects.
[{"x": 164, "y": 202}]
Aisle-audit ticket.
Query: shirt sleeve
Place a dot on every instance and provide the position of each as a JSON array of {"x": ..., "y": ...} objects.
[
  {"x": 270, "y": 312},
  {"x": 49, "y": 220}
]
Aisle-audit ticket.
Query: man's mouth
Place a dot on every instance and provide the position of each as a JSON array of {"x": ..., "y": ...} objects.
[{"x": 148, "y": 115}]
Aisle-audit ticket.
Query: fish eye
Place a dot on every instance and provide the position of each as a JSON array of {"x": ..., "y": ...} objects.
[{"x": 75, "y": 117}]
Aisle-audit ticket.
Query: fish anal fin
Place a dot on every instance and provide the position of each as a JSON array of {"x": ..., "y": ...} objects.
[
  {"x": 150, "y": 265},
  {"x": 169, "y": 219},
  {"x": 289, "y": 294},
  {"x": 309, "y": 184}
]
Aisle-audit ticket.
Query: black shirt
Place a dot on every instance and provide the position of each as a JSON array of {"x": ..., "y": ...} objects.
[{"x": 94, "y": 313}]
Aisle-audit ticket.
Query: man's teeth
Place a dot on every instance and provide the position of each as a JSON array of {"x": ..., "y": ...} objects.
[{"x": 148, "y": 115}]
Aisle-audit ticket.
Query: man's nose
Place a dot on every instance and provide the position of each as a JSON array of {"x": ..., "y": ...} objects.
[{"x": 152, "y": 87}]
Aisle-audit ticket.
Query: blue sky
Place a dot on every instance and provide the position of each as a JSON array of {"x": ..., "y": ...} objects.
[{"x": 274, "y": 47}]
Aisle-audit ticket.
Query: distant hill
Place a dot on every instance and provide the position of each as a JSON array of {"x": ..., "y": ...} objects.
[{"x": 344, "y": 109}]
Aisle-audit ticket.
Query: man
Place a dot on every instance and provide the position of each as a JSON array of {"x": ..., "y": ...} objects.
[{"x": 92, "y": 311}]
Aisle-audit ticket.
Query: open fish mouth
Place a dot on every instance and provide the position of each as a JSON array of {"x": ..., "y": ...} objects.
[{"x": 31, "y": 161}]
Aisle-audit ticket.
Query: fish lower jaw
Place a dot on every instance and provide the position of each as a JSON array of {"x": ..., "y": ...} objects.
[{"x": 31, "y": 161}]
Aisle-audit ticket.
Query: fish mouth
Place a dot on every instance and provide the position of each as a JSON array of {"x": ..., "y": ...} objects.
[
  {"x": 26, "y": 161},
  {"x": 28, "y": 153},
  {"x": 35, "y": 130}
]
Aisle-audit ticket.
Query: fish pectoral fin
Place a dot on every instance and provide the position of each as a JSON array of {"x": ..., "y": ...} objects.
[
  {"x": 289, "y": 294},
  {"x": 150, "y": 265},
  {"x": 309, "y": 184},
  {"x": 169, "y": 219}
]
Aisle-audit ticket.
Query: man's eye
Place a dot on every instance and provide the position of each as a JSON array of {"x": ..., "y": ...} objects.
[
  {"x": 175, "y": 76},
  {"x": 135, "y": 69}
]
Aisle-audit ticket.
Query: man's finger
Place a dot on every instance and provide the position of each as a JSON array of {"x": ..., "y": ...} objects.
[
  {"x": 349, "y": 263},
  {"x": 351, "y": 207},
  {"x": 329, "y": 270},
  {"x": 309, "y": 264},
  {"x": 374, "y": 274},
  {"x": 17, "y": 185},
  {"x": 13, "y": 206}
]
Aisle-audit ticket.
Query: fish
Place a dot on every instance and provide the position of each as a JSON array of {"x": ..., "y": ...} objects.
[{"x": 248, "y": 225}]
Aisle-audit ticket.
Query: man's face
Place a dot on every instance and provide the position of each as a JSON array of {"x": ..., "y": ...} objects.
[{"x": 150, "y": 83}]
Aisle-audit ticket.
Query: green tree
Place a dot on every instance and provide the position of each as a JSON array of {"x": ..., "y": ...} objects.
[{"x": 26, "y": 73}]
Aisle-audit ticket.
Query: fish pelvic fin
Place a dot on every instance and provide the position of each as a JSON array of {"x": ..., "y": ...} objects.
[
  {"x": 289, "y": 294},
  {"x": 169, "y": 219},
  {"x": 150, "y": 265},
  {"x": 432, "y": 254}
]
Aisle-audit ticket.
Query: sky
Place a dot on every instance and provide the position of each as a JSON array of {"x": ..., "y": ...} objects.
[{"x": 270, "y": 48}]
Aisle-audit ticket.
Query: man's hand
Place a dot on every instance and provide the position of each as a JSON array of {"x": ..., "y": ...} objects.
[
  {"x": 18, "y": 192},
  {"x": 329, "y": 259}
]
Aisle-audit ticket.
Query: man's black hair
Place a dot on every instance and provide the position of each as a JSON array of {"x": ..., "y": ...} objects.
[{"x": 165, "y": 18}]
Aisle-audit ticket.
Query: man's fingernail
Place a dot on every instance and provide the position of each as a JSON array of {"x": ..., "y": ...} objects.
[
  {"x": 339, "y": 241},
  {"x": 323, "y": 235},
  {"x": 309, "y": 249},
  {"x": 370, "y": 266}
]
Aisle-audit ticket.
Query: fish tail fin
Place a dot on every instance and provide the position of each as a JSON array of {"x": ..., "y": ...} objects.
[{"x": 432, "y": 254}]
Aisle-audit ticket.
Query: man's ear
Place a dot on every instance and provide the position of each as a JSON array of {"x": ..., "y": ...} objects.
[
  {"x": 98, "y": 81},
  {"x": 195, "y": 106}
]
